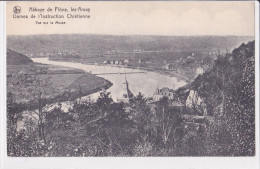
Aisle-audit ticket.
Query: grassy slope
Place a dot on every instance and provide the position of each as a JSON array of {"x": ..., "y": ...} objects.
[{"x": 72, "y": 79}]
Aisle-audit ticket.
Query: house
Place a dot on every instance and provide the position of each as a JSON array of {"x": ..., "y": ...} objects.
[
  {"x": 106, "y": 62},
  {"x": 180, "y": 60},
  {"x": 199, "y": 71},
  {"x": 125, "y": 95},
  {"x": 169, "y": 66},
  {"x": 126, "y": 61},
  {"x": 164, "y": 92},
  {"x": 116, "y": 62},
  {"x": 112, "y": 62},
  {"x": 120, "y": 62},
  {"x": 190, "y": 59}
]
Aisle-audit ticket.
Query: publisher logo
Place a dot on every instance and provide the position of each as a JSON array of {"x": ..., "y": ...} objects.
[{"x": 17, "y": 9}]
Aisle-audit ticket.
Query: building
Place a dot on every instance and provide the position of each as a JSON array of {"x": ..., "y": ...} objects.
[
  {"x": 126, "y": 61},
  {"x": 190, "y": 59},
  {"x": 116, "y": 62},
  {"x": 164, "y": 92},
  {"x": 199, "y": 71},
  {"x": 120, "y": 62},
  {"x": 106, "y": 62},
  {"x": 125, "y": 95},
  {"x": 169, "y": 66}
]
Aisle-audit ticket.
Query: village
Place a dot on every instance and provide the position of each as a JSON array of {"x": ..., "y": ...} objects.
[{"x": 188, "y": 67}]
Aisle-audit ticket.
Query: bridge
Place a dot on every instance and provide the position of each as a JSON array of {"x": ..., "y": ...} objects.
[
  {"x": 56, "y": 73},
  {"x": 119, "y": 73}
]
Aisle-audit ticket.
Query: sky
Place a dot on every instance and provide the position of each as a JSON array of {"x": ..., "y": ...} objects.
[{"x": 177, "y": 18}]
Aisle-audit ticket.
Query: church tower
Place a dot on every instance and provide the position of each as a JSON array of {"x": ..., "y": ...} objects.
[
  {"x": 125, "y": 84},
  {"x": 125, "y": 95}
]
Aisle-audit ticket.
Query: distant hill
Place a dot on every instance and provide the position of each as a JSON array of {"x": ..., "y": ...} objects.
[
  {"x": 96, "y": 45},
  {"x": 14, "y": 58}
]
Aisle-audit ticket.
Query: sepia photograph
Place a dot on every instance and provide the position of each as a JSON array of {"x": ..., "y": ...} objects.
[{"x": 130, "y": 79}]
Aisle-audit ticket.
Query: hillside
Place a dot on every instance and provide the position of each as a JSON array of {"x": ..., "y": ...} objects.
[
  {"x": 95, "y": 45},
  {"x": 14, "y": 58},
  {"x": 60, "y": 81},
  {"x": 227, "y": 93},
  {"x": 227, "y": 76}
]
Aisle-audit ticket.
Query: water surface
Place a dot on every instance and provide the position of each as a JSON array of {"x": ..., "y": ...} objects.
[{"x": 145, "y": 83}]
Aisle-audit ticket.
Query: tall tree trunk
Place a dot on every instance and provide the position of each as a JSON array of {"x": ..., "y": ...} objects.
[{"x": 41, "y": 123}]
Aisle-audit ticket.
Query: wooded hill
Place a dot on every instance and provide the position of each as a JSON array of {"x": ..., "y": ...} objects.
[
  {"x": 14, "y": 58},
  {"x": 228, "y": 91}
]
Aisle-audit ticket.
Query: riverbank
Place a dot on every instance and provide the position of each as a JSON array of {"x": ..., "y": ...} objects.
[
  {"x": 160, "y": 71},
  {"x": 64, "y": 84},
  {"x": 146, "y": 83},
  {"x": 69, "y": 95}
]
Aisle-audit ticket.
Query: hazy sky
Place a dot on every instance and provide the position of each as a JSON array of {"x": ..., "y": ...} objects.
[{"x": 141, "y": 18}]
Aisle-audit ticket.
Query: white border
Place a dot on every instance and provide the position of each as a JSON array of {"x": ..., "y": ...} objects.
[
  {"x": 121, "y": 162},
  {"x": 257, "y": 118},
  {"x": 2, "y": 82}
]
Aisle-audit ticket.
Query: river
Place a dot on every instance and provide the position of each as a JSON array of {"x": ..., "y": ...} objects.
[{"x": 145, "y": 83}]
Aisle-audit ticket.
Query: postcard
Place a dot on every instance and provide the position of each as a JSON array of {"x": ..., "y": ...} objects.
[{"x": 130, "y": 84}]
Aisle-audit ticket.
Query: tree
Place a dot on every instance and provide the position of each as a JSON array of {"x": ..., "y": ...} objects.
[
  {"x": 35, "y": 90},
  {"x": 142, "y": 116},
  {"x": 233, "y": 131},
  {"x": 168, "y": 119}
]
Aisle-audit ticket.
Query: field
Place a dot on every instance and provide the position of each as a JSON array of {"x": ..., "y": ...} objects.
[{"x": 61, "y": 79}]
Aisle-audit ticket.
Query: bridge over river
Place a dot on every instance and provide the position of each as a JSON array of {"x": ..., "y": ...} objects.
[
  {"x": 109, "y": 73},
  {"x": 113, "y": 73},
  {"x": 139, "y": 80}
]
